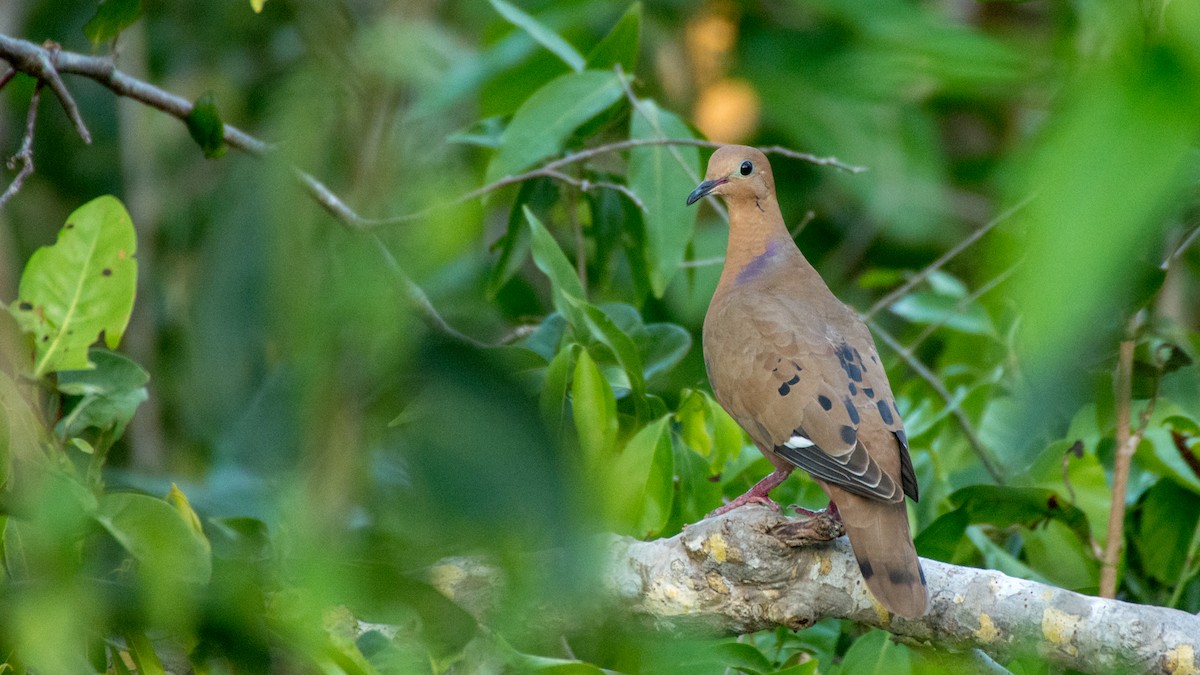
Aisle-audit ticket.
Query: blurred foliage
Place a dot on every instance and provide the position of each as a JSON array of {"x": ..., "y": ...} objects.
[{"x": 305, "y": 445}]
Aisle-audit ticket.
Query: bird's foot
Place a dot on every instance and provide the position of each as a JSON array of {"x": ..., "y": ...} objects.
[
  {"x": 811, "y": 527},
  {"x": 748, "y": 498}
]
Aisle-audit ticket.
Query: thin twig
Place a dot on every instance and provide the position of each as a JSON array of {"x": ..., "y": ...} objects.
[
  {"x": 962, "y": 304},
  {"x": 703, "y": 262},
  {"x": 1127, "y": 442},
  {"x": 1183, "y": 245},
  {"x": 417, "y": 298},
  {"x": 4, "y": 79},
  {"x": 808, "y": 218},
  {"x": 981, "y": 451},
  {"x": 25, "y": 154},
  {"x": 946, "y": 257}
]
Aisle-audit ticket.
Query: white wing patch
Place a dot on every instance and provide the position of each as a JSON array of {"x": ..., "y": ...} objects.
[{"x": 798, "y": 442}]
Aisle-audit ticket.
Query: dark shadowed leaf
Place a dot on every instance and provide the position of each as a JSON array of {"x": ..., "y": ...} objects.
[{"x": 1167, "y": 523}]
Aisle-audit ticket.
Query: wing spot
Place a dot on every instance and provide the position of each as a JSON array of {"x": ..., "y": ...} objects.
[
  {"x": 867, "y": 570},
  {"x": 849, "y": 435},
  {"x": 885, "y": 412},
  {"x": 825, "y": 402},
  {"x": 869, "y": 392},
  {"x": 851, "y": 410},
  {"x": 900, "y": 576},
  {"x": 784, "y": 389},
  {"x": 853, "y": 390}
]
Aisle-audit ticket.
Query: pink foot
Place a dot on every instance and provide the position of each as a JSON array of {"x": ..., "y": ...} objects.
[
  {"x": 742, "y": 501},
  {"x": 758, "y": 493}
]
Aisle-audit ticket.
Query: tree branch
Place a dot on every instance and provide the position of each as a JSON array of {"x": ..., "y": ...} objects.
[
  {"x": 25, "y": 154},
  {"x": 733, "y": 575}
]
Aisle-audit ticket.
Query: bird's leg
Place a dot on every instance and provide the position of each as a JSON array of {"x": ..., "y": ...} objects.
[{"x": 758, "y": 493}]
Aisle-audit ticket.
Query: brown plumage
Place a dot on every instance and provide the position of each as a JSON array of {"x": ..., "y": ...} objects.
[{"x": 799, "y": 372}]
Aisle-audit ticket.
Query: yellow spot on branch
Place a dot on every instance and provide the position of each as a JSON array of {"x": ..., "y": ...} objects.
[
  {"x": 987, "y": 630},
  {"x": 716, "y": 547},
  {"x": 1181, "y": 661},
  {"x": 1059, "y": 629}
]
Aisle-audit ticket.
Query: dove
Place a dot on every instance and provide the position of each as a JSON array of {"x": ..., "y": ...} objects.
[{"x": 799, "y": 371}]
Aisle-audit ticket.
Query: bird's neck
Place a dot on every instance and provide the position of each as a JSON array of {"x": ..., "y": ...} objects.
[{"x": 759, "y": 242}]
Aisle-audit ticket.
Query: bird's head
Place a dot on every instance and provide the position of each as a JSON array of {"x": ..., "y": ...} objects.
[{"x": 736, "y": 172}]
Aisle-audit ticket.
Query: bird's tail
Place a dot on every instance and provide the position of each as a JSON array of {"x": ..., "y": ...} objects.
[{"x": 884, "y": 548}]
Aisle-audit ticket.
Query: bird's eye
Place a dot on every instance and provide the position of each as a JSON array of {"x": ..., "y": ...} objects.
[{"x": 747, "y": 167}]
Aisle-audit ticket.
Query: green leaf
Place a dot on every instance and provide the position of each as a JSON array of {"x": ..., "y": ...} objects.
[
  {"x": 514, "y": 247},
  {"x": 111, "y": 393},
  {"x": 1004, "y": 506},
  {"x": 111, "y": 17},
  {"x": 595, "y": 411},
  {"x": 876, "y": 654},
  {"x": 156, "y": 535},
  {"x": 143, "y": 654},
  {"x": 553, "y": 399},
  {"x": 743, "y": 657},
  {"x": 934, "y": 308},
  {"x": 662, "y": 182},
  {"x": 79, "y": 287},
  {"x": 596, "y": 324},
  {"x": 539, "y": 32},
  {"x": 640, "y": 486},
  {"x": 550, "y": 259},
  {"x": 662, "y": 346},
  {"x": 205, "y": 125},
  {"x": 542, "y": 124},
  {"x": 620, "y": 46},
  {"x": 1169, "y": 515}
]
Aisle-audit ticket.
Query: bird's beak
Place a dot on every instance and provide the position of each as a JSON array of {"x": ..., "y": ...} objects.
[{"x": 704, "y": 188}]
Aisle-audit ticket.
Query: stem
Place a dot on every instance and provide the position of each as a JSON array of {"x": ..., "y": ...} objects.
[{"x": 1116, "y": 512}]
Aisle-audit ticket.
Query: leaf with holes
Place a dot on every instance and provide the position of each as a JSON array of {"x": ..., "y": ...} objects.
[{"x": 80, "y": 287}]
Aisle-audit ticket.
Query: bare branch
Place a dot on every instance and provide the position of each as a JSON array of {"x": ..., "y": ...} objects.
[
  {"x": 25, "y": 154},
  {"x": 1187, "y": 241},
  {"x": 946, "y": 257},
  {"x": 732, "y": 574},
  {"x": 981, "y": 451},
  {"x": 4, "y": 79}
]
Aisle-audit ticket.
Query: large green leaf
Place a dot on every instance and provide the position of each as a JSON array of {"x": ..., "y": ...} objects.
[
  {"x": 659, "y": 177},
  {"x": 620, "y": 46},
  {"x": 80, "y": 287},
  {"x": 544, "y": 36},
  {"x": 542, "y": 125},
  {"x": 876, "y": 654},
  {"x": 595, "y": 410},
  {"x": 639, "y": 485},
  {"x": 156, "y": 535}
]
